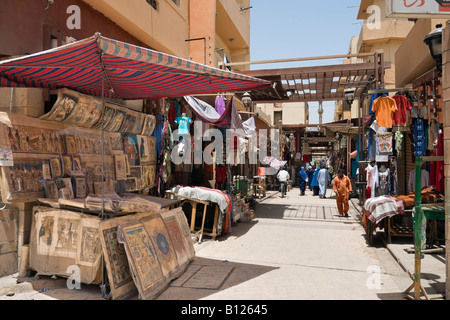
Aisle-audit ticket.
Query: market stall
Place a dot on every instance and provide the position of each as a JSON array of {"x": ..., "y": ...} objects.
[
  {"x": 92, "y": 158},
  {"x": 402, "y": 125}
]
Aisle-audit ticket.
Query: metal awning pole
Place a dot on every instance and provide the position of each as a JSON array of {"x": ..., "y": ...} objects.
[{"x": 103, "y": 142}]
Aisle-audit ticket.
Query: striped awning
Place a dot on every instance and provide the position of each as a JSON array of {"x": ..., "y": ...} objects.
[{"x": 129, "y": 72}]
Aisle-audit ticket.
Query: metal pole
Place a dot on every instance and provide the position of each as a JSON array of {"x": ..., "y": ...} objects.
[
  {"x": 418, "y": 228},
  {"x": 102, "y": 147}
]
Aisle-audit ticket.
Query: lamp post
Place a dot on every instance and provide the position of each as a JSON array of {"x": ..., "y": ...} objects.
[
  {"x": 434, "y": 42},
  {"x": 246, "y": 100},
  {"x": 349, "y": 96}
]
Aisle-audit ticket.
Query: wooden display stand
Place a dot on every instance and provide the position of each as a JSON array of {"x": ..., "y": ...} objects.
[
  {"x": 194, "y": 202},
  {"x": 397, "y": 231}
]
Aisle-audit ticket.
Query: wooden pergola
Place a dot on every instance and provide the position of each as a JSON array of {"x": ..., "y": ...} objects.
[{"x": 320, "y": 83}]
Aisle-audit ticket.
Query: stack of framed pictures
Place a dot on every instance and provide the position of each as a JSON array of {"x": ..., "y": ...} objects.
[{"x": 63, "y": 145}]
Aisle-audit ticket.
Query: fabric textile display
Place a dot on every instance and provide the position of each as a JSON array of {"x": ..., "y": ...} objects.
[
  {"x": 376, "y": 209},
  {"x": 222, "y": 199}
]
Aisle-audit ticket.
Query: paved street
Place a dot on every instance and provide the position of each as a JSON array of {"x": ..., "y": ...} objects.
[{"x": 297, "y": 248}]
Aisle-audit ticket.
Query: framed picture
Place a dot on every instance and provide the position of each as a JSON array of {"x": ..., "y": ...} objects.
[
  {"x": 117, "y": 120},
  {"x": 120, "y": 167},
  {"x": 71, "y": 145},
  {"x": 56, "y": 167},
  {"x": 77, "y": 168},
  {"x": 131, "y": 148},
  {"x": 136, "y": 172},
  {"x": 80, "y": 187},
  {"x": 149, "y": 125},
  {"x": 46, "y": 172},
  {"x": 63, "y": 107},
  {"x": 51, "y": 190},
  {"x": 131, "y": 184},
  {"x": 67, "y": 165},
  {"x": 68, "y": 189}
]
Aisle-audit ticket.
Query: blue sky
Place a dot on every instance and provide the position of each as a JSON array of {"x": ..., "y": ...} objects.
[{"x": 285, "y": 29}]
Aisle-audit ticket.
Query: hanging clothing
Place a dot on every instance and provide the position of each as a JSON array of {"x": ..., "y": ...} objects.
[
  {"x": 381, "y": 156},
  {"x": 385, "y": 108},
  {"x": 373, "y": 97},
  {"x": 419, "y": 137},
  {"x": 220, "y": 105},
  {"x": 183, "y": 124},
  {"x": 305, "y": 158},
  {"x": 385, "y": 142},
  {"x": 432, "y": 136},
  {"x": 425, "y": 180},
  {"x": 403, "y": 106},
  {"x": 440, "y": 178},
  {"x": 384, "y": 181},
  {"x": 372, "y": 146},
  {"x": 157, "y": 133},
  {"x": 372, "y": 179},
  {"x": 172, "y": 115},
  {"x": 398, "y": 142}
]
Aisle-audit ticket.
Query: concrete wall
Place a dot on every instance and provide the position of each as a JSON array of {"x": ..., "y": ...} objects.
[
  {"x": 294, "y": 113},
  {"x": 164, "y": 29},
  {"x": 413, "y": 57}
]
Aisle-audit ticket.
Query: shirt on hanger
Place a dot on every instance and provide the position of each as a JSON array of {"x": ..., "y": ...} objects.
[
  {"x": 385, "y": 108},
  {"x": 425, "y": 180},
  {"x": 183, "y": 124},
  {"x": 403, "y": 105}
]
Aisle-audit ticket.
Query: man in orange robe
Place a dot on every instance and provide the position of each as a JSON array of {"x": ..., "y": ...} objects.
[{"x": 342, "y": 187}]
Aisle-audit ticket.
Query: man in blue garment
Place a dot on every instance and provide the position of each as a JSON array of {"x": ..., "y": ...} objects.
[{"x": 323, "y": 179}]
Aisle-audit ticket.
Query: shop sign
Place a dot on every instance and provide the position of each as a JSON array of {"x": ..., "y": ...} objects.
[
  {"x": 312, "y": 129},
  {"x": 417, "y": 8}
]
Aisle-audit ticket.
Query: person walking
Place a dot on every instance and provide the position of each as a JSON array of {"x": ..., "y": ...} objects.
[
  {"x": 342, "y": 187},
  {"x": 283, "y": 177},
  {"x": 323, "y": 179},
  {"x": 310, "y": 174},
  {"x": 315, "y": 182},
  {"x": 303, "y": 177}
]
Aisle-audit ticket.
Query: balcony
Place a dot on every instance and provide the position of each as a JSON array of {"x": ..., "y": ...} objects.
[{"x": 232, "y": 24}]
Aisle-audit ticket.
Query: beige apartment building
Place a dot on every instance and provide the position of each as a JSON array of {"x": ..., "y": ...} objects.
[
  {"x": 203, "y": 31},
  {"x": 378, "y": 33}
]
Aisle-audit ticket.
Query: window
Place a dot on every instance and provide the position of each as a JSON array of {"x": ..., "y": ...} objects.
[
  {"x": 153, "y": 3},
  {"x": 277, "y": 116}
]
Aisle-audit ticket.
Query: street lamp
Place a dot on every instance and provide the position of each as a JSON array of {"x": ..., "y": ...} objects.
[
  {"x": 246, "y": 100},
  {"x": 349, "y": 96},
  {"x": 434, "y": 42}
]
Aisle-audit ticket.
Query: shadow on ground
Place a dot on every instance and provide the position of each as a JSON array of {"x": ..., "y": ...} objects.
[{"x": 205, "y": 277}]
